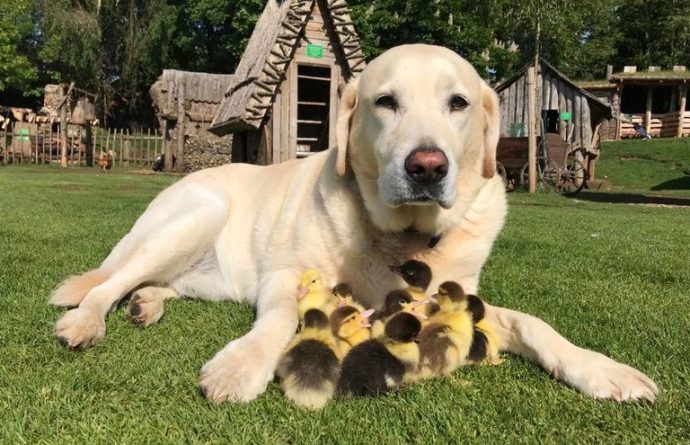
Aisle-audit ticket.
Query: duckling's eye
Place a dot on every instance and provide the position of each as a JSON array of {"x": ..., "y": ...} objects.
[
  {"x": 313, "y": 281},
  {"x": 387, "y": 101},
  {"x": 409, "y": 273},
  {"x": 457, "y": 103},
  {"x": 401, "y": 301}
]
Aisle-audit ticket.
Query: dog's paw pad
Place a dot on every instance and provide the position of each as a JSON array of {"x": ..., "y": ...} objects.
[{"x": 144, "y": 311}]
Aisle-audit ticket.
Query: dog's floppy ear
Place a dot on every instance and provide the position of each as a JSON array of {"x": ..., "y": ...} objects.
[
  {"x": 348, "y": 103},
  {"x": 492, "y": 128}
]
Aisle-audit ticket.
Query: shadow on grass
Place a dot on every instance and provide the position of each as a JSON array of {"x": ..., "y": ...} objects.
[
  {"x": 631, "y": 198},
  {"x": 682, "y": 183}
]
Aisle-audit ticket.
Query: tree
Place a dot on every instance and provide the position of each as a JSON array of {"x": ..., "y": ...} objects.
[{"x": 17, "y": 71}]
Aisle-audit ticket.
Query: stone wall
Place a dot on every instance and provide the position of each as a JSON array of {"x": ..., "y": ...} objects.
[{"x": 206, "y": 150}]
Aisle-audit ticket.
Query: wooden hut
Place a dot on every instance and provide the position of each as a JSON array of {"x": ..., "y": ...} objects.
[
  {"x": 282, "y": 101},
  {"x": 655, "y": 99},
  {"x": 185, "y": 104},
  {"x": 565, "y": 109}
]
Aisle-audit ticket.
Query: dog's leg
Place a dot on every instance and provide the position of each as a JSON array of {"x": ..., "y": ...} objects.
[
  {"x": 146, "y": 305},
  {"x": 158, "y": 254},
  {"x": 590, "y": 372},
  {"x": 241, "y": 370}
]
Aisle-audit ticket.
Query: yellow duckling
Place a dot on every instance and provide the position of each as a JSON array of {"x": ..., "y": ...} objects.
[
  {"x": 485, "y": 342},
  {"x": 310, "y": 368},
  {"x": 445, "y": 342},
  {"x": 398, "y": 301},
  {"x": 417, "y": 275},
  {"x": 342, "y": 293},
  {"x": 350, "y": 327},
  {"x": 377, "y": 366},
  {"x": 311, "y": 294}
]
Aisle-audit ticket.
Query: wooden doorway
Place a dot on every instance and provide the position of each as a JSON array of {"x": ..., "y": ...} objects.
[{"x": 313, "y": 108}]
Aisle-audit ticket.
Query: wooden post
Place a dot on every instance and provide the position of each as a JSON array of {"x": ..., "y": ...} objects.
[
  {"x": 681, "y": 109},
  {"x": 180, "y": 127},
  {"x": 43, "y": 144},
  {"x": 88, "y": 145},
  {"x": 36, "y": 145},
  {"x": 648, "y": 110},
  {"x": 532, "y": 129},
  {"x": 148, "y": 146},
  {"x": 167, "y": 148},
  {"x": 63, "y": 135},
  {"x": 616, "y": 111}
]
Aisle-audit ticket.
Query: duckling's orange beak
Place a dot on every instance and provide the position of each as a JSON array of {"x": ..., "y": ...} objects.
[
  {"x": 365, "y": 318},
  {"x": 302, "y": 291},
  {"x": 415, "y": 308}
]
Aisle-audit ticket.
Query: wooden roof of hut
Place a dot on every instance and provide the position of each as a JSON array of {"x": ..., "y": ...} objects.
[
  {"x": 554, "y": 92},
  {"x": 268, "y": 54},
  {"x": 205, "y": 91},
  {"x": 546, "y": 67}
]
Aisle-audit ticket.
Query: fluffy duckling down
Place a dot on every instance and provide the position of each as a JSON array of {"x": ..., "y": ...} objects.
[
  {"x": 350, "y": 327},
  {"x": 342, "y": 293},
  {"x": 310, "y": 368},
  {"x": 377, "y": 366},
  {"x": 485, "y": 342},
  {"x": 445, "y": 342},
  {"x": 311, "y": 294}
]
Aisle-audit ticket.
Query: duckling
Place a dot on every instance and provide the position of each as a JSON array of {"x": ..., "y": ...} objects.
[
  {"x": 310, "y": 368},
  {"x": 446, "y": 341},
  {"x": 377, "y": 366},
  {"x": 417, "y": 275},
  {"x": 397, "y": 301},
  {"x": 311, "y": 294},
  {"x": 342, "y": 292},
  {"x": 350, "y": 327},
  {"x": 485, "y": 342}
]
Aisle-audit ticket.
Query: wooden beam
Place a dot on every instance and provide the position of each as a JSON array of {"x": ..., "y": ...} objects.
[
  {"x": 63, "y": 136},
  {"x": 683, "y": 94},
  {"x": 532, "y": 128},
  {"x": 167, "y": 148},
  {"x": 648, "y": 110},
  {"x": 180, "y": 127}
]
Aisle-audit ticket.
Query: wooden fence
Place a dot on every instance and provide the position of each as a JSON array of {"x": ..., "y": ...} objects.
[
  {"x": 661, "y": 125},
  {"x": 40, "y": 143}
]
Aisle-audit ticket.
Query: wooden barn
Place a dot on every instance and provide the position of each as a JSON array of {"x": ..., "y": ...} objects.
[
  {"x": 565, "y": 109},
  {"x": 655, "y": 99},
  {"x": 185, "y": 104},
  {"x": 282, "y": 101}
]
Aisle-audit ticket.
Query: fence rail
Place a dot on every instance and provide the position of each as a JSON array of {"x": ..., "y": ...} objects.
[{"x": 40, "y": 143}]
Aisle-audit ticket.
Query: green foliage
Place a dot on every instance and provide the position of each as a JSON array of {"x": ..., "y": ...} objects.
[
  {"x": 119, "y": 47},
  {"x": 71, "y": 40},
  {"x": 654, "y": 32},
  {"x": 16, "y": 69}
]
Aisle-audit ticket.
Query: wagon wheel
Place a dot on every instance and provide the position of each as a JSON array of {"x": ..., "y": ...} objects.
[
  {"x": 547, "y": 174},
  {"x": 501, "y": 171},
  {"x": 573, "y": 176}
]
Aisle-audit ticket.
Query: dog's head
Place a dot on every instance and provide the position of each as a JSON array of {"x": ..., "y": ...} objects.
[{"x": 419, "y": 128}]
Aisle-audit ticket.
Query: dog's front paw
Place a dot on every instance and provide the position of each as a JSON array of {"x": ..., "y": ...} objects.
[
  {"x": 144, "y": 309},
  {"x": 80, "y": 328},
  {"x": 238, "y": 373},
  {"x": 600, "y": 377}
]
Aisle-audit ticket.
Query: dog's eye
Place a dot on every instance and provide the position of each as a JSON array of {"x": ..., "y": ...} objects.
[
  {"x": 387, "y": 101},
  {"x": 457, "y": 103}
]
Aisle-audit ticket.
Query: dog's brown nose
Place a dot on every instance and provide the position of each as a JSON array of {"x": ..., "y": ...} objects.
[{"x": 426, "y": 165}]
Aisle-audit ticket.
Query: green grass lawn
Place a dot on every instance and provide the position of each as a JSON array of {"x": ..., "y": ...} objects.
[
  {"x": 614, "y": 278},
  {"x": 658, "y": 166}
]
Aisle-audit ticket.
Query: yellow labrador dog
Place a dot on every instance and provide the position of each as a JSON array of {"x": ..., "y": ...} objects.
[{"x": 412, "y": 177}]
